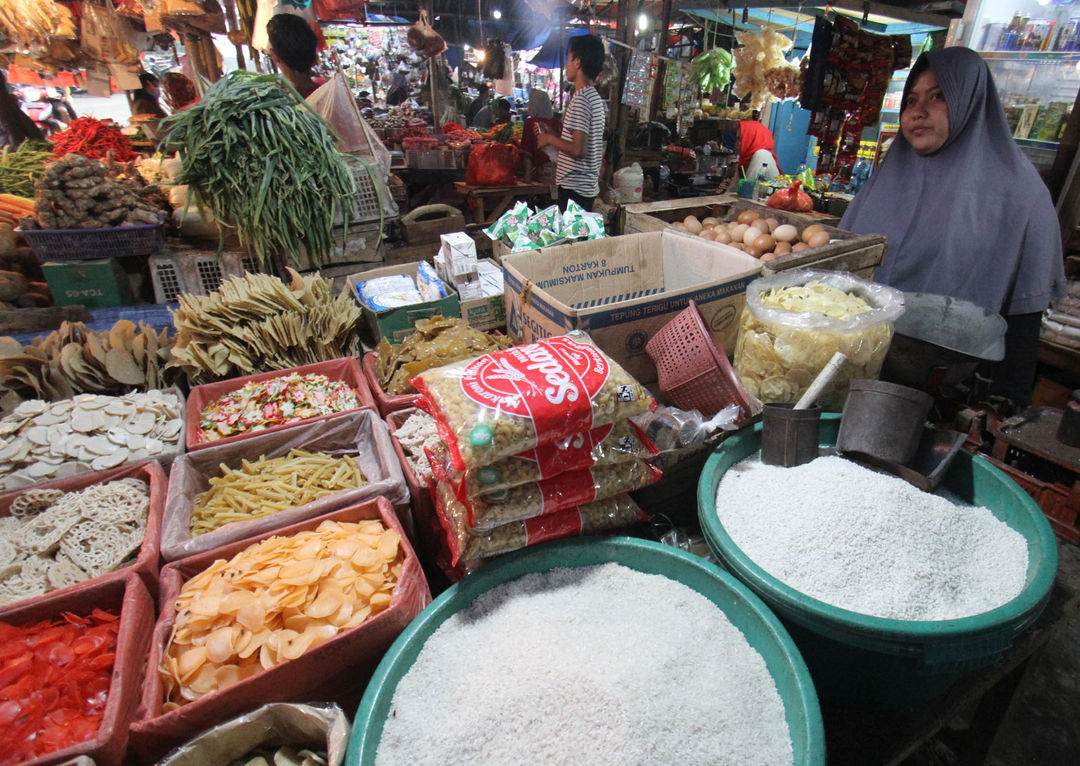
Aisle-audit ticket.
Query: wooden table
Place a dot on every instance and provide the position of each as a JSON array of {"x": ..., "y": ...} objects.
[{"x": 501, "y": 197}]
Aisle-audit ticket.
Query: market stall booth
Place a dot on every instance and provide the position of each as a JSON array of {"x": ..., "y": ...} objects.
[{"x": 661, "y": 462}]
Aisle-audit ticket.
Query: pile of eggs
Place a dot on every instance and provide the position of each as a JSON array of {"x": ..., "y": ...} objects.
[{"x": 764, "y": 238}]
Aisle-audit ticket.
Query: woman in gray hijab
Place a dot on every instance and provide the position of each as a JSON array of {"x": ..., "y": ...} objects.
[{"x": 963, "y": 209}]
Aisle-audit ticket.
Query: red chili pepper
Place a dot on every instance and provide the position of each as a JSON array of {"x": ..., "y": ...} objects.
[
  {"x": 93, "y": 139},
  {"x": 54, "y": 682}
]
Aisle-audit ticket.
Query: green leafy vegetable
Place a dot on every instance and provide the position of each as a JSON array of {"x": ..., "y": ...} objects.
[
  {"x": 24, "y": 166},
  {"x": 264, "y": 162}
]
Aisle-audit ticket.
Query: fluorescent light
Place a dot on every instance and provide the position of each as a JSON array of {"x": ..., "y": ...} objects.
[
  {"x": 497, "y": 13},
  {"x": 642, "y": 21}
]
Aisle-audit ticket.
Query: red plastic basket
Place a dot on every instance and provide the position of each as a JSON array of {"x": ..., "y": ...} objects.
[{"x": 692, "y": 371}]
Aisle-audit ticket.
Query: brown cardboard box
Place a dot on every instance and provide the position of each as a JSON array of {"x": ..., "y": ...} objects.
[
  {"x": 846, "y": 251},
  {"x": 622, "y": 290}
]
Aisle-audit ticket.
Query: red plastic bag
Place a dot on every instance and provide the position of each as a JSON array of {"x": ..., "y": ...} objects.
[
  {"x": 492, "y": 165},
  {"x": 792, "y": 198}
]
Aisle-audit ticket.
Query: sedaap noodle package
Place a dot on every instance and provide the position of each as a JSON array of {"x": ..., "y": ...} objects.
[
  {"x": 506, "y": 402},
  {"x": 465, "y": 543},
  {"x": 795, "y": 321},
  {"x": 620, "y": 442},
  {"x": 567, "y": 490}
]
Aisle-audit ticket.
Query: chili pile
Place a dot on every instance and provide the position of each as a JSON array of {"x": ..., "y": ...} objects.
[{"x": 93, "y": 139}]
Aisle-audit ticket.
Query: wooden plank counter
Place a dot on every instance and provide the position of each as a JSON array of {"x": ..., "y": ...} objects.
[{"x": 493, "y": 201}]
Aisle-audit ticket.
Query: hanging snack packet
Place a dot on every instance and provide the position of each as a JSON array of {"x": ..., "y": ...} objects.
[
  {"x": 509, "y": 401},
  {"x": 464, "y": 543},
  {"x": 614, "y": 443}
]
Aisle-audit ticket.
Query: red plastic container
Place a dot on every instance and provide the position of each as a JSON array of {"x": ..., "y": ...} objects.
[
  {"x": 429, "y": 529},
  {"x": 386, "y": 403},
  {"x": 115, "y": 591},
  {"x": 346, "y": 369},
  {"x": 145, "y": 564},
  {"x": 338, "y": 662},
  {"x": 692, "y": 371}
]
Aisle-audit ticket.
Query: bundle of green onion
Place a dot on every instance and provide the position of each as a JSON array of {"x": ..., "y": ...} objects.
[{"x": 263, "y": 161}]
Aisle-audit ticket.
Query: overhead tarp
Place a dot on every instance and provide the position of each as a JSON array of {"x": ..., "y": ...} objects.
[{"x": 550, "y": 55}]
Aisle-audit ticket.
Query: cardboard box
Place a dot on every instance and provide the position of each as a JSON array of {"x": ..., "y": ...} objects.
[
  {"x": 398, "y": 324},
  {"x": 622, "y": 290},
  {"x": 93, "y": 284},
  {"x": 116, "y": 592},
  {"x": 487, "y": 311},
  {"x": 145, "y": 562},
  {"x": 846, "y": 251}
]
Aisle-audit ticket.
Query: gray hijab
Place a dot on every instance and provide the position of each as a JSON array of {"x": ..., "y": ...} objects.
[{"x": 973, "y": 220}]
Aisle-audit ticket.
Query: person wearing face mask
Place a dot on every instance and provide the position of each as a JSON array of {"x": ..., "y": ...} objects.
[{"x": 964, "y": 211}]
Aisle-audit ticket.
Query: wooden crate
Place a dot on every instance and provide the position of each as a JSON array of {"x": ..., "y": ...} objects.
[{"x": 857, "y": 253}]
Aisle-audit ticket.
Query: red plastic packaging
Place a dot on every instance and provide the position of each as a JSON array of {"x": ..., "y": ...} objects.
[
  {"x": 338, "y": 662},
  {"x": 492, "y": 165},
  {"x": 145, "y": 564},
  {"x": 346, "y": 369}
]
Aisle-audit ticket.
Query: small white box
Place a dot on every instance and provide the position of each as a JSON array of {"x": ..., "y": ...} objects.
[{"x": 459, "y": 251}]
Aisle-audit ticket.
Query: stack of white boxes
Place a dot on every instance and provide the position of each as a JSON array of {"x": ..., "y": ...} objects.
[
  {"x": 479, "y": 283},
  {"x": 456, "y": 264}
]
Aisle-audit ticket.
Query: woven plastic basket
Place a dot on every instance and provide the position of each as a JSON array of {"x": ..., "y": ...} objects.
[
  {"x": 91, "y": 244},
  {"x": 692, "y": 371}
]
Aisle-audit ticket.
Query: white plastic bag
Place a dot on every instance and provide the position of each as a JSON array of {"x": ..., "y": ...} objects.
[
  {"x": 779, "y": 352},
  {"x": 628, "y": 183},
  {"x": 335, "y": 104}
]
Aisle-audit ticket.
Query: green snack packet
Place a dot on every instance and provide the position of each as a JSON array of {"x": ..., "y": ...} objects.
[
  {"x": 594, "y": 225},
  {"x": 548, "y": 236},
  {"x": 807, "y": 178},
  {"x": 523, "y": 242},
  {"x": 508, "y": 222}
]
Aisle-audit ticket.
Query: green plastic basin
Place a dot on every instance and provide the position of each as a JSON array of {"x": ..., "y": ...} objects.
[
  {"x": 760, "y": 627},
  {"x": 863, "y": 660}
]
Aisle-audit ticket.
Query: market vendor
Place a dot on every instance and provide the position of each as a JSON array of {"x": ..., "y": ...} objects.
[
  {"x": 537, "y": 162},
  {"x": 293, "y": 47},
  {"x": 145, "y": 99},
  {"x": 502, "y": 130},
  {"x": 756, "y": 153},
  {"x": 963, "y": 209},
  {"x": 482, "y": 99},
  {"x": 581, "y": 143}
]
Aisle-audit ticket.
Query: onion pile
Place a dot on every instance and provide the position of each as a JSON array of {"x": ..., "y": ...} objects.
[{"x": 764, "y": 238}]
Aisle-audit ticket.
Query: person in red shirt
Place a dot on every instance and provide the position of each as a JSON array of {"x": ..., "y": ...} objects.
[
  {"x": 293, "y": 47},
  {"x": 538, "y": 162},
  {"x": 753, "y": 138}
]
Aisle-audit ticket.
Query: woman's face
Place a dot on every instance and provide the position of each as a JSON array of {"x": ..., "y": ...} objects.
[{"x": 925, "y": 119}]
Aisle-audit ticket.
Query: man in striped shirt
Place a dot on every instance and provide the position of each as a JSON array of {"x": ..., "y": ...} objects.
[{"x": 581, "y": 146}]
